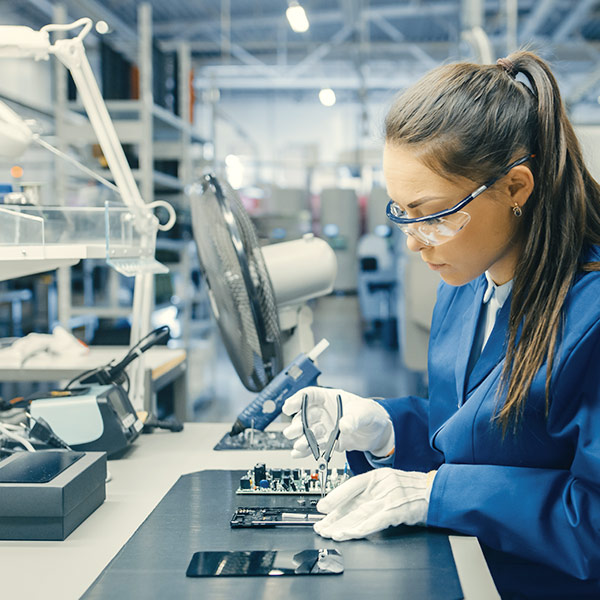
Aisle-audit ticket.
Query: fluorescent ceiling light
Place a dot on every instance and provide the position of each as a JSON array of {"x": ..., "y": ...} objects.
[
  {"x": 327, "y": 97},
  {"x": 297, "y": 17}
]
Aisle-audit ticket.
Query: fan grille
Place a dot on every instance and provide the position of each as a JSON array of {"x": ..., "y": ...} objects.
[{"x": 241, "y": 292}]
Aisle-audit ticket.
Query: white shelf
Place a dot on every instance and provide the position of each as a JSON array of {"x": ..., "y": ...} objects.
[
  {"x": 35, "y": 239},
  {"x": 18, "y": 261}
]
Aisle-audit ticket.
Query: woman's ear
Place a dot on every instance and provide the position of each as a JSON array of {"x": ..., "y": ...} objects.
[{"x": 519, "y": 184}]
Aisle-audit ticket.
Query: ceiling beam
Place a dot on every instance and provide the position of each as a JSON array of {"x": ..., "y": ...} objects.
[
  {"x": 441, "y": 9},
  {"x": 536, "y": 19},
  {"x": 321, "y": 52},
  {"x": 574, "y": 20},
  {"x": 350, "y": 82},
  {"x": 45, "y": 7},
  {"x": 397, "y": 36}
]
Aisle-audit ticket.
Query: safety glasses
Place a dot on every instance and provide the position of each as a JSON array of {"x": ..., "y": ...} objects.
[{"x": 442, "y": 226}]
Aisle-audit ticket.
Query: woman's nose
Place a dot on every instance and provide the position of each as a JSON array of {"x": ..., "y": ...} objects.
[{"x": 414, "y": 245}]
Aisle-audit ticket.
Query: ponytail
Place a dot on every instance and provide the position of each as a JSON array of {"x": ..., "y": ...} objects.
[{"x": 562, "y": 218}]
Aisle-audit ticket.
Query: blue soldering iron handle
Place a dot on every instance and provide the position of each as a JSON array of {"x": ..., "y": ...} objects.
[{"x": 300, "y": 373}]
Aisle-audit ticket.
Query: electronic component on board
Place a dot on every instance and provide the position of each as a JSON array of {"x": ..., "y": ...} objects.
[
  {"x": 275, "y": 516},
  {"x": 262, "y": 480},
  {"x": 259, "y": 472}
]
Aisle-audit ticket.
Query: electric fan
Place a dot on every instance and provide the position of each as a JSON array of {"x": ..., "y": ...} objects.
[
  {"x": 239, "y": 288},
  {"x": 257, "y": 295}
]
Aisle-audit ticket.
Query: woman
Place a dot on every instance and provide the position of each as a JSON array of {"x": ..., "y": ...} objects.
[{"x": 507, "y": 447}]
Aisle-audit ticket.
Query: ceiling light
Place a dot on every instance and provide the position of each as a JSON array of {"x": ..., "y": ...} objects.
[
  {"x": 327, "y": 97},
  {"x": 297, "y": 17}
]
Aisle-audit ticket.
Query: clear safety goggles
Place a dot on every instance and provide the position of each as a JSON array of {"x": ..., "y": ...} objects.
[{"x": 442, "y": 226}]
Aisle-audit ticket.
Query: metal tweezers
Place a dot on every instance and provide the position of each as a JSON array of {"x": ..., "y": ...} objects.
[{"x": 322, "y": 458}]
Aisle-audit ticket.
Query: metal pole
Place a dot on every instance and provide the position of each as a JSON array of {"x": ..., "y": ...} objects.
[
  {"x": 511, "y": 25},
  {"x": 472, "y": 14},
  {"x": 226, "y": 31},
  {"x": 63, "y": 274},
  {"x": 185, "y": 110},
  {"x": 146, "y": 155}
]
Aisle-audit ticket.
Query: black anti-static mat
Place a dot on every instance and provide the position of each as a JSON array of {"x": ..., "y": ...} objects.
[{"x": 399, "y": 563}]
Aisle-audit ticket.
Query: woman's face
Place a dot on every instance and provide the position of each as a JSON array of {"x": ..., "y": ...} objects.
[{"x": 489, "y": 242}]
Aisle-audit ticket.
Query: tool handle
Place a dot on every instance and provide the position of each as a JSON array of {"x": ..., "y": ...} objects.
[{"x": 300, "y": 373}]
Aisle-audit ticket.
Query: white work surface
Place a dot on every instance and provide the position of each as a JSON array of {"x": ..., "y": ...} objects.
[
  {"x": 64, "y": 570},
  {"x": 45, "y": 367}
]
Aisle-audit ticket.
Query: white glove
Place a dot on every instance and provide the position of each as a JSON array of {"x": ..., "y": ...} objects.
[
  {"x": 374, "y": 501},
  {"x": 365, "y": 425}
]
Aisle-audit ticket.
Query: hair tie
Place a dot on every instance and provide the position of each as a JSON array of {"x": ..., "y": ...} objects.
[{"x": 508, "y": 66}]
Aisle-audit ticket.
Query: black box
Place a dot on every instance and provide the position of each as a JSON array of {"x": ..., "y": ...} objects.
[{"x": 49, "y": 510}]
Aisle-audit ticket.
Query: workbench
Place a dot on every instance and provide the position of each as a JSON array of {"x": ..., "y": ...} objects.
[{"x": 139, "y": 481}]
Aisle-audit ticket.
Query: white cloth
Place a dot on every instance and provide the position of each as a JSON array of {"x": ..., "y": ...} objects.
[{"x": 59, "y": 343}]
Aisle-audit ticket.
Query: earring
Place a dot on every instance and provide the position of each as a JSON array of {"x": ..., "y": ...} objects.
[{"x": 517, "y": 210}]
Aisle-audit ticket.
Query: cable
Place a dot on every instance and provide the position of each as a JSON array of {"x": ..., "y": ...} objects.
[
  {"x": 115, "y": 373},
  {"x": 43, "y": 432},
  {"x": 88, "y": 372},
  {"x": 6, "y": 430}
]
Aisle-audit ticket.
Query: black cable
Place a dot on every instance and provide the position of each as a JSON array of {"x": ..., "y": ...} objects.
[
  {"x": 115, "y": 373},
  {"x": 154, "y": 337},
  {"x": 128, "y": 381},
  {"x": 88, "y": 372}
]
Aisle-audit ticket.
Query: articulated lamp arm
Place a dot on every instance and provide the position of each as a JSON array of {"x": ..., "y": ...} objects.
[{"x": 24, "y": 42}]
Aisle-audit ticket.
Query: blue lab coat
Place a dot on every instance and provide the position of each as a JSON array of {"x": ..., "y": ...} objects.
[{"x": 532, "y": 498}]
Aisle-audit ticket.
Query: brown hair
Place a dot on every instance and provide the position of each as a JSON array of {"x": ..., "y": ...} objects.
[{"x": 473, "y": 120}]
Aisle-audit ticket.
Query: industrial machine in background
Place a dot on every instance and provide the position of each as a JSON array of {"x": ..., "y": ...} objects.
[
  {"x": 416, "y": 300},
  {"x": 378, "y": 281},
  {"x": 378, "y": 285},
  {"x": 340, "y": 226},
  {"x": 286, "y": 217}
]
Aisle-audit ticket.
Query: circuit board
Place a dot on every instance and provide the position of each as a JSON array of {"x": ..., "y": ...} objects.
[
  {"x": 254, "y": 439},
  {"x": 260, "y": 481},
  {"x": 275, "y": 516}
]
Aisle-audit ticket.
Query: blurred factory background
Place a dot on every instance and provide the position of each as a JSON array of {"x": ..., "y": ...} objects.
[{"x": 293, "y": 120}]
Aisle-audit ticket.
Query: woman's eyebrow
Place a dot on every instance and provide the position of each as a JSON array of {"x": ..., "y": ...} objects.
[{"x": 423, "y": 200}]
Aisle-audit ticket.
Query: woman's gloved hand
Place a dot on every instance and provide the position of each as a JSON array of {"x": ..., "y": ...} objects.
[
  {"x": 365, "y": 425},
  {"x": 374, "y": 501}
]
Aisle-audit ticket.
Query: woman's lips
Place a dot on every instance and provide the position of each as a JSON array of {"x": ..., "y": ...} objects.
[{"x": 436, "y": 266}]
